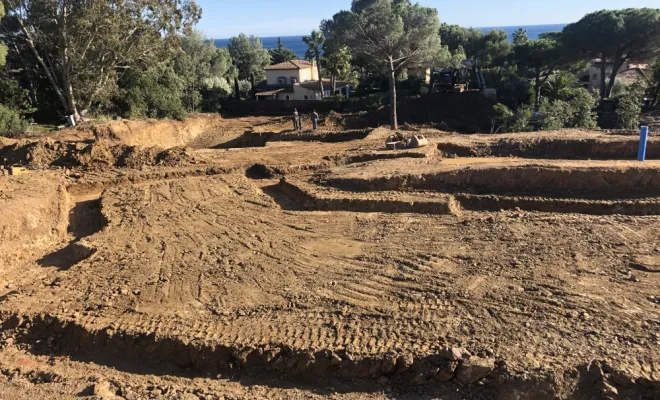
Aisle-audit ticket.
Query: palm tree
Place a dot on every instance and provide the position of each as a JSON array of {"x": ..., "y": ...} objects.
[
  {"x": 560, "y": 86},
  {"x": 337, "y": 63},
  {"x": 519, "y": 37},
  {"x": 314, "y": 51}
]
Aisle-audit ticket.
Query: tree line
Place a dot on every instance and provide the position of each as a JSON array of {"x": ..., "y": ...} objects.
[{"x": 137, "y": 58}]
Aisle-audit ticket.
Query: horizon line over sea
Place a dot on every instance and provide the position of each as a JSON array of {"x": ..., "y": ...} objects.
[{"x": 296, "y": 43}]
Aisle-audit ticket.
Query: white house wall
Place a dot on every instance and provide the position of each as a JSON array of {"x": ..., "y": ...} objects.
[
  {"x": 273, "y": 76},
  {"x": 301, "y": 75},
  {"x": 299, "y": 93}
]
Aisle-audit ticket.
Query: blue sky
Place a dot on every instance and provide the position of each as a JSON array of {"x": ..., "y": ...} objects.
[{"x": 222, "y": 18}]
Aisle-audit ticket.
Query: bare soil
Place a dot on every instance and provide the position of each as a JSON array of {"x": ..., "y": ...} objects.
[{"x": 304, "y": 267}]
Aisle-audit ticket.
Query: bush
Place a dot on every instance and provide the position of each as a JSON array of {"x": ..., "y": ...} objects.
[
  {"x": 244, "y": 88},
  {"x": 155, "y": 93},
  {"x": 582, "y": 106},
  {"x": 515, "y": 92},
  {"x": 629, "y": 105},
  {"x": 11, "y": 122},
  {"x": 556, "y": 114},
  {"x": 512, "y": 121}
]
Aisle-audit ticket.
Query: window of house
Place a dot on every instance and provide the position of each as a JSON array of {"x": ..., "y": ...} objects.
[
  {"x": 293, "y": 80},
  {"x": 287, "y": 97},
  {"x": 281, "y": 81},
  {"x": 306, "y": 97}
]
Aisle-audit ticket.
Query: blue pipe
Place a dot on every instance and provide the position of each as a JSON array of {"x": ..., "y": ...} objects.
[{"x": 643, "y": 140}]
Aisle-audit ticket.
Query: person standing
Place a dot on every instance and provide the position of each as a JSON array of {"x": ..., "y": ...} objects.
[
  {"x": 300, "y": 120},
  {"x": 296, "y": 119},
  {"x": 315, "y": 120}
]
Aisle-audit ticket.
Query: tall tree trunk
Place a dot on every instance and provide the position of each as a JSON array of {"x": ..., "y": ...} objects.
[
  {"x": 603, "y": 87},
  {"x": 318, "y": 67},
  {"x": 333, "y": 80},
  {"x": 237, "y": 88},
  {"x": 253, "y": 81},
  {"x": 615, "y": 70},
  {"x": 42, "y": 64},
  {"x": 72, "y": 109},
  {"x": 656, "y": 95},
  {"x": 393, "y": 119},
  {"x": 537, "y": 91}
]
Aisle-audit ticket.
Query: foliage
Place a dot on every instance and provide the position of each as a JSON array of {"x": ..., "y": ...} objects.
[
  {"x": 556, "y": 114},
  {"x": 13, "y": 96},
  {"x": 519, "y": 37},
  {"x": 631, "y": 34},
  {"x": 538, "y": 59},
  {"x": 492, "y": 49},
  {"x": 629, "y": 105},
  {"x": 314, "y": 51},
  {"x": 512, "y": 121},
  {"x": 249, "y": 57},
  {"x": 244, "y": 88},
  {"x": 499, "y": 75},
  {"x": 459, "y": 39},
  {"x": 559, "y": 86},
  {"x": 199, "y": 64},
  {"x": 154, "y": 93},
  {"x": 411, "y": 86},
  {"x": 11, "y": 122},
  {"x": 337, "y": 62},
  {"x": 583, "y": 105},
  {"x": 214, "y": 91},
  {"x": 81, "y": 46},
  {"x": 515, "y": 92},
  {"x": 655, "y": 82},
  {"x": 281, "y": 54},
  {"x": 392, "y": 33}
]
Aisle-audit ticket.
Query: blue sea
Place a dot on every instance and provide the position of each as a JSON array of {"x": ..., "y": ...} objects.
[{"x": 296, "y": 44}]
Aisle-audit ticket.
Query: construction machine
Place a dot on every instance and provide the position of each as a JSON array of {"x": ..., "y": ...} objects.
[{"x": 457, "y": 80}]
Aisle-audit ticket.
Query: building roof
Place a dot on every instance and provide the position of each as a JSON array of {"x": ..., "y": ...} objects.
[
  {"x": 632, "y": 74},
  {"x": 327, "y": 85},
  {"x": 270, "y": 92},
  {"x": 290, "y": 65}
]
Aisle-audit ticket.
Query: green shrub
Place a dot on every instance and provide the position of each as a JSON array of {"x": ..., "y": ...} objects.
[
  {"x": 582, "y": 106},
  {"x": 11, "y": 122},
  {"x": 512, "y": 121},
  {"x": 556, "y": 114},
  {"x": 515, "y": 92},
  {"x": 155, "y": 93},
  {"x": 629, "y": 105}
]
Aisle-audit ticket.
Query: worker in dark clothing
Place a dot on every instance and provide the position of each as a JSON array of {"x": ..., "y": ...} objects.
[
  {"x": 300, "y": 120},
  {"x": 315, "y": 120},
  {"x": 296, "y": 119}
]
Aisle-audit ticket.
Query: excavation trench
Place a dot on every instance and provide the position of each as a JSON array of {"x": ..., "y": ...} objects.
[
  {"x": 85, "y": 219},
  {"x": 251, "y": 138},
  {"x": 531, "y": 180},
  {"x": 552, "y": 148},
  {"x": 303, "y": 196}
]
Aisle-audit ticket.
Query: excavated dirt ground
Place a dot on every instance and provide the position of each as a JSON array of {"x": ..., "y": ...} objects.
[{"x": 236, "y": 259}]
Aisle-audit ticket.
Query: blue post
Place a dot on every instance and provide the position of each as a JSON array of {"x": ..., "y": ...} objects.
[{"x": 643, "y": 139}]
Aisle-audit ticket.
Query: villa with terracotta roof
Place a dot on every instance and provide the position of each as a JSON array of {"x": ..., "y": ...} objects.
[{"x": 295, "y": 80}]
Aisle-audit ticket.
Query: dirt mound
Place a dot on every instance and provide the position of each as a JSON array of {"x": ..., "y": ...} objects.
[
  {"x": 49, "y": 153},
  {"x": 162, "y": 133},
  {"x": 30, "y": 220}
]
